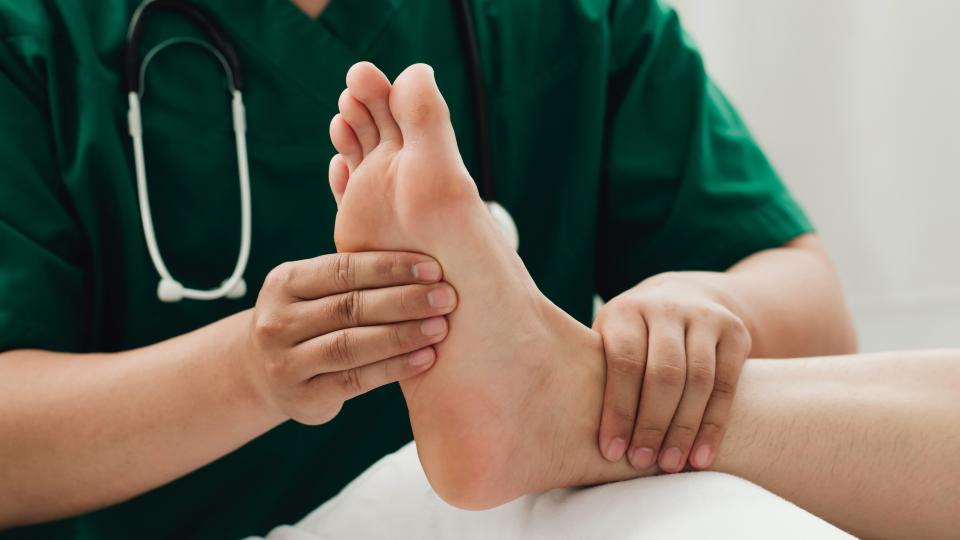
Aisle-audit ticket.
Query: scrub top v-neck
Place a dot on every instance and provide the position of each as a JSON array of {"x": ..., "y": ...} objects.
[{"x": 615, "y": 153}]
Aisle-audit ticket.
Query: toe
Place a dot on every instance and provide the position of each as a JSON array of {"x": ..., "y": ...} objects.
[
  {"x": 346, "y": 142},
  {"x": 339, "y": 176},
  {"x": 420, "y": 109},
  {"x": 360, "y": 119},
  {"x": 372, "y": 88}
]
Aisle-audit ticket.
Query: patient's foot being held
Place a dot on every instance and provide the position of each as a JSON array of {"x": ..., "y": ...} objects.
[{"x": 513, "y": 403}]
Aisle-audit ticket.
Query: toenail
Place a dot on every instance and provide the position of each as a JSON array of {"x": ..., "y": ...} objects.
[
  {"x": 434, "y": 327},
  {"x": 441, "y": 297},
  {"x": 616, "y": 449},
  {"x": 427, "y": 271},
  {"x": 671, "y": 460},
  {"x": 642, "y": 458}
]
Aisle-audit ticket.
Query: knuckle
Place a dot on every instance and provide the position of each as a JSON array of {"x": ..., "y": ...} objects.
[
  {"x": 724, "y": 388},
  {"x": 649, "y": 433},
  {"x": 623, "y": 418},
  {"x": 395, "y": 265},
  {"x": 625, "y": 364},
  {"x": 279, "y": 277},
  {"x": 350, "y": 381},
  {"x": 670, "y": 373},
  {"x": 269, "y": 327},
  {"x": 344, "y": 271},
  {"x": 737, "y": 331},
  {"x": 399, "y": 336},
  {"x": 668, "y": 308},
  {"x": 682, "y": 430},
  {"x": 340, "y": 349},
  {"x": 619, "y": 416},
  {"x": 700, "y": 375},
  {"x": 350, "y": 308},
  {"x": 707, "y": 312},
  {"x": 711, "y": 428},
  {"x": 404, "y": 302},
  {"x": 385, "y": 265}
]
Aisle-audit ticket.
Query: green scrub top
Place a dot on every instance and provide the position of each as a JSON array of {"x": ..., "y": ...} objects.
[{"x": 614, "y": 151}]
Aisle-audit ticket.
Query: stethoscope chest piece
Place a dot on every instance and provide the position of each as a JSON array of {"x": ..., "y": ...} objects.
[{"x": 505, "y": 223}]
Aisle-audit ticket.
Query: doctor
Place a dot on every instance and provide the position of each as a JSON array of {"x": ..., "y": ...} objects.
[{"x": 625, "y": 169}]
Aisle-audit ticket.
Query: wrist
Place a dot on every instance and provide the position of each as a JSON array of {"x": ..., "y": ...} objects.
[{"x": 245, "y": 370}]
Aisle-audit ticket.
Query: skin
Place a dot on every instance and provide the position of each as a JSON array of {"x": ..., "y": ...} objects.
[
  {"x": 313, "y": 8},
  {"x": 296, "y": 370},
  {"x": 80, "y": 432},
  {"x": 512, "y": 405},
  {"x": 675, "y": 345},
  {"x": 871, "y": 443},
  {"x": 73, "y": 435},
  {"x": 680, "y": 340}
]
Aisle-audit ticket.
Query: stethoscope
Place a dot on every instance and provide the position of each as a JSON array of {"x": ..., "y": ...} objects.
[{"x": 222, "y": 48}]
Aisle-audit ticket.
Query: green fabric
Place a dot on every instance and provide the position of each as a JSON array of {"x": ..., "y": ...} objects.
[{"x": 613, "y": 150}]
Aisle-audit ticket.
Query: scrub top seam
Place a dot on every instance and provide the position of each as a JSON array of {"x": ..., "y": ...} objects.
[
  {"x": 250, "y": 48},
  {"x": 373, "y": 42},
  {"x": 36, "y": 242}
]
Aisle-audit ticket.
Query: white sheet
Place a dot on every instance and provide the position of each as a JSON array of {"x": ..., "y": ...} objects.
[{"x": 393, "y": 500}]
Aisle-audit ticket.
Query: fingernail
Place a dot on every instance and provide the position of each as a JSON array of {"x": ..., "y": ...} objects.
[
  {"x": 616, "y": 448},
  {"x": 643, "y": 458},
  {"x": 671, "y": 460},
  {"x": 421, "y": 358},
  {"x": 701, "y": 459},
  {"x": 441, "y": 297},
  {"x": 427, "y": 271},
  {"x": 434, "y": 327}
]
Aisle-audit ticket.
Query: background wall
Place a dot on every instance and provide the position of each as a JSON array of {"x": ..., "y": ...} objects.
[{"x": 857, "y": 102}]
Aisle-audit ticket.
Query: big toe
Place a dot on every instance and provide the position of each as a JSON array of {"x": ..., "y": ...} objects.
[{"x": 420, "y": 109}]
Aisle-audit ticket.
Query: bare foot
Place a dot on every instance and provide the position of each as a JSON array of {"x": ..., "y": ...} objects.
[{"x": 513, "y": 403}]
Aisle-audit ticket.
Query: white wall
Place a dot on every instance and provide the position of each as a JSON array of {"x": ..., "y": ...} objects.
[{"x": 857, "y": 102}]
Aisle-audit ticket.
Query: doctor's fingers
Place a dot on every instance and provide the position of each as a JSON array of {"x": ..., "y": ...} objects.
[
  {"x": 305, "y": 320},
  {"x": 701, "y": 348},
  {"x": 625, "y": 348},
  {"x": 732, "y": 351},
  {"x": 354, "y": 347},
  {"x": 351, "y": 383},
  {"x": 343, "y": 272},
  {"x": 663, "y": 383}
]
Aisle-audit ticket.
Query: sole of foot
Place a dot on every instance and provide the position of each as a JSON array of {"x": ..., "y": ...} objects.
[{"x": 512, "y": 405}]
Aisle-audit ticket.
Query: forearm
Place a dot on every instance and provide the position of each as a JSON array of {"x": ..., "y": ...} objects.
[
  {"x": 870, "y": 443},
  {"x": 790, "y": 299},
  {"x": 79, "y": 432}
]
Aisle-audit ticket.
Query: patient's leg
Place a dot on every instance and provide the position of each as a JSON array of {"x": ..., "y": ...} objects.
[
  {"x": 513, "y": 403},
  {"x": 870, "y": 443}
]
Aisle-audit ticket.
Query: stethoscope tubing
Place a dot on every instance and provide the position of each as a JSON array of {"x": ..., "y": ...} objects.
[{"x": 220, "y": 45}]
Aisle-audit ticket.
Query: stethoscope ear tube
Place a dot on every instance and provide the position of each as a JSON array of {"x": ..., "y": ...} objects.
[{"x": 220, "y": 40}]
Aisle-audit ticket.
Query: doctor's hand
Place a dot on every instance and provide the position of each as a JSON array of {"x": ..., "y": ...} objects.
[
  {"x": 328, "y": 329},
  {"x": 674, "y": 353}
]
